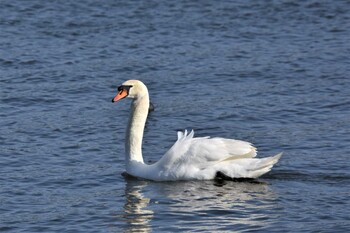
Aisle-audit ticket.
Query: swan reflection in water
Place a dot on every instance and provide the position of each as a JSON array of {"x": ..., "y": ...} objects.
[
  {"x": 136, "y": 212},
  {"x": 198, "y": 205}
]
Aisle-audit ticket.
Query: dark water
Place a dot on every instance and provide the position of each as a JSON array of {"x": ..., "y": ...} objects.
[{"x": 275, "y": 73}]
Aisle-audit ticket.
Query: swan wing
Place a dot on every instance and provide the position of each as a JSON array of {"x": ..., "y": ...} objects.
[
  {"x": 203, "y": 157},
  {"x": 206, "y": 149}
]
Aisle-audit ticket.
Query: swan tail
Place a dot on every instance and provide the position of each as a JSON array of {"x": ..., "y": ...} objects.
[
  {"x": 263, "y": 166},
  {"x": 247, "y": 168}
]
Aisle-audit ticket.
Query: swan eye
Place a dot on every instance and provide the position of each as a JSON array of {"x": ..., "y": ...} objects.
[{"x": 124, "y": 87}]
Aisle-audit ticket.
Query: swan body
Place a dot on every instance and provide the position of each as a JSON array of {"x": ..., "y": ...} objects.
[{"x": 190, "y": 158}]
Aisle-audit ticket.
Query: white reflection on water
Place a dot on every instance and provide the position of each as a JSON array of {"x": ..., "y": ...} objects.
[
  {"x": 205, "y": 205},
  {"x": 136, "y": 213}
]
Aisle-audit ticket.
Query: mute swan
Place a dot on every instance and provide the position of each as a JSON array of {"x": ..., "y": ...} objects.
[{"x": 190, "y": 158}]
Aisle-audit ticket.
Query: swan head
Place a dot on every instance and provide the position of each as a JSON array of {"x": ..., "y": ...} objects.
[{"x": 131, "y": 89}]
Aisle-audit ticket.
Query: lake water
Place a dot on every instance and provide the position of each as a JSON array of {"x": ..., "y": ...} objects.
[{"x": 275, "y": 73}]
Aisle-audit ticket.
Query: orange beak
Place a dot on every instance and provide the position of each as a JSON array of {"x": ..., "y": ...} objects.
[{"x": 121, "y": 94}]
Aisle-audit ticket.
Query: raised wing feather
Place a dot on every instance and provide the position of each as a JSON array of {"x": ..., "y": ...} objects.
[{"x": 189, "y": 154}]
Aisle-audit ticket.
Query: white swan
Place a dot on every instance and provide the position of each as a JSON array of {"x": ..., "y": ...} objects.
[{"x": 190, "y": 158}]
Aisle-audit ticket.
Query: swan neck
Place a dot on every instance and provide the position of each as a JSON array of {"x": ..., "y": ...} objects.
[{"x": 134, "y": 133}]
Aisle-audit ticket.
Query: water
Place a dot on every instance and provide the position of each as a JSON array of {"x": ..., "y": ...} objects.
[{"x": 275, "y": 73}]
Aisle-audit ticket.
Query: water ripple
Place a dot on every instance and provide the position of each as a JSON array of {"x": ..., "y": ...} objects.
[{"x": 273, "y": 73}]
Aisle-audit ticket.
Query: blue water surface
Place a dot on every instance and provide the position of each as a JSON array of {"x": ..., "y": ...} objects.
[{"x": 275, "y": 73}]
